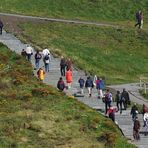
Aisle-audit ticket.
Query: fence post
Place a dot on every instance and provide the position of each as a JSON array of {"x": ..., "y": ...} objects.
[{"x": 145, "y": 88}]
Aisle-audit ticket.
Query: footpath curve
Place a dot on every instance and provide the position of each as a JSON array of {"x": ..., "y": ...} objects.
[{"x": 124, "y": 120}]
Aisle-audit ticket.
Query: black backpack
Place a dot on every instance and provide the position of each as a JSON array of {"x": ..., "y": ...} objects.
[{"x": 46, "y": 57}]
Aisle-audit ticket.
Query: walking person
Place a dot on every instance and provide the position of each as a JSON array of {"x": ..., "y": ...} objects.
[
  {"x": 111, "y": 113},
  {"x": 29, "y": 52},
  {"x": 141, "y": 17},
  {"x": 69, "y": 64},
  {"x": 81, "y": 83},
  {"x": 134, "y": 111},
  {"x": 136, "y": 129},
  {"x": 107, "y": 100},
  {"x": 145, "y": 119},
  {"x": 89, "y": 85},
  {"x": 45, "y": 52},
  {"x": 138, "y": 19},
  {"x": 61, "y": 84},
  {"x": 100, "y": 87},
  {"x": 69, "y": 78},
  {"x": 62, "y": 66},
  {"x": 41, "y": 74},
  {"x": 47, "y": 60},
  {"x": 37, "y": 57},
  {"x": 119, "y": 101},
  {"x": 125, "y": 98},
  {"x": 145, "y": 113},
  {"x": 1, "y": 27}
]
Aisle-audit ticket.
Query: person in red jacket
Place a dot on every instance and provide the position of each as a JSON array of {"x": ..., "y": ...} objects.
[{"x": 69, "y": 77}]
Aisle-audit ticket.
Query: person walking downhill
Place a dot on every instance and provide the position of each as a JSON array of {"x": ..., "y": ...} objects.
[
  {"x": 134, "y": 111},
  {"x": 136, "y": 129},
  {"x": 108, "y": 100},
  {"x": 81, "y": 83},
  {"x": 62, "y": 66},
  {"x": 1, "y": 27},
  {"x": 41, "y": 74},
  {"x": 89, "y": 85},
  {"x": 37, "y": 57},
  {"x": 69, "y": 78},
  {"x": 125, "y": 98},
  {"x": 29, "y": 52},
  {"x": 61, "y": 84},
  {"x": 69, "y": 64},
  {"x": 47, "y": 59},
  {"x": 100, "y": 86},
  {"x": 118, "y": 100},
  {"x": 138, "y": 19},
  {"x": 145, "y": 113}
]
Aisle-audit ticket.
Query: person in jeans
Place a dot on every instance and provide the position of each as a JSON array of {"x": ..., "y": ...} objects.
[
  {"x": 108, "y": 100},
  {"x": 89, "y": 85},
  {"x": 47, "y": 60},
  {"x": 38, "y": 57},
  {"x": 119, "y": 101},
  {"x": 81, "y": 83},
  {"x": 29, "y": 52}
]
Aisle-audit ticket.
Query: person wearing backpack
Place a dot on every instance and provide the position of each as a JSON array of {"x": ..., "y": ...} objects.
[
  {"x": 100, "y": 86},
  {"x": 119, "y": 101},
  {"x": 29, "y": 52},
  {"x": 47, "y": 60},
  {"x": 61, "y": 84},
  {"x": 37, "y": 57},
  {"x": 125, "y": 98}
]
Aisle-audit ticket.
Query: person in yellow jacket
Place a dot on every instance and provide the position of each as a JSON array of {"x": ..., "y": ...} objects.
[{"x": 41, "y": 74}]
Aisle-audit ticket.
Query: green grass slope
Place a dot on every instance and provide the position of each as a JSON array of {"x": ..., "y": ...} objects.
[
  {"x": 119, "y": 55},
  {"x": 95, "y": 10},
  {"x": 36, "y": 115}
]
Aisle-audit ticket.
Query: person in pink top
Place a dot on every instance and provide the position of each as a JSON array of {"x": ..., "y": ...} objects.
[{"x": 69, "y": 77}]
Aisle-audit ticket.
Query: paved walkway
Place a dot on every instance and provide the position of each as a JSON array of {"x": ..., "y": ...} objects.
[
  {"x": 59, "y": 20},
  {"x": 124, "y": 120}
]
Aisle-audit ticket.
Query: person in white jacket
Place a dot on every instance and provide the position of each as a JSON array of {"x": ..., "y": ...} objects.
[{"x": 29, "y": 52}]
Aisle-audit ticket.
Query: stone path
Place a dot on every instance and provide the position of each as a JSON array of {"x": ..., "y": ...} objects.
[
  {"x": 124, "y": 120},
  {"x": 59, "y": 20}
]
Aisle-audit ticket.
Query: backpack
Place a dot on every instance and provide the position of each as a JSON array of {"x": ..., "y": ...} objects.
[
  {"x": 38, "y": 56},
  {"x": 46, "y": 57},
  {"x": 108, "y": 97}
]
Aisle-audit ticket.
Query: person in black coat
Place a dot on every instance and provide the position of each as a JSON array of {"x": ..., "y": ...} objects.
[{"x": 1, "y": 26}]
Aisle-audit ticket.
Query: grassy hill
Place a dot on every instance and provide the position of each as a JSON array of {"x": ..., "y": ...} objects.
[
  {"x": 36, "y": 115},
  {"x": 95, "y": 10},
  {"x": 119, "y": 55}
]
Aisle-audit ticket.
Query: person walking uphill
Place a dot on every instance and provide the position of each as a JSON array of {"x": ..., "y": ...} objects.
[
  {"x": 69, "y": 78},
  {"x": 41, "y": 74},
  {"x": 29, "y": 52},
  {"x": 107, "y": 100},
  {"x": 62, "y": 66},
  {"x": 125, "y": 98},
  {"x": 118, "y": 100},
  {"x": 47, "y": 60},
  {"x": 138, "y": 19},
  {"x": 100, "y": 87},
  {"x": 37, "y": 57},
  {"x": 1, "y": 27},
  {"x": 136, "y": 129},
  {"x": 89, "y": 85},
  {"x": 81, "y": 83}
]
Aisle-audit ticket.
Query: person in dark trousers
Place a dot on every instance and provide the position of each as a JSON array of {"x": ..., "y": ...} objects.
[
  {"x": 134, "y": 111},
  {"x": 138, "y": 19},
  {"x": 23, "y": 53},
  {"x": 119, "y": 101},
  {"x": 1, "y": 27},
  {"x": 69, "y": 64},
  {"x": 136, "y": 129},
  {"x": 62, "y": 66},
  {"x": 37, "y": 57},
  {"x": 81, "y": 83},
  {"x": 89, "y": 85},
  {"x": 61, "y": 84},
  {"x": 111, "y": 113},
  {"x": 125, "y": 98},
  {"x": 108, "y": 100}
]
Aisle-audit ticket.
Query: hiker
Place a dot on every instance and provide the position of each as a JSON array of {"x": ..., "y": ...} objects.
[
  {"x": 144, "y": 110},
  {"x": 23, "y": 53},
  {"x": 37, "y": 57},
  {"x": 108, "y": 100},
  {"x": 69, "y": 64},
  {"x": 100, "y": 87},
  {"x": 1, "y": 27},
  {"x": 136, "y": 129},
  {"x": 95, "y": 81},
  {"x": 134, "y": 111},
  {"x": 111, "y": 113},
  {"x": 62, "y": 66},
  {"x": 61, "y": 84},
  {"x": 47, "y": 59},
  {"x": 81, "y": 83},
  {"x": 45, "y": 52},
  {"x": 69, "y": 78},
  {"x": 125, "y": 98},
  {"x": 41, "y": 74},
  {"x": 29, "y": 52},
  {"x": 138, "y": 19},
  {"x": 89, "y": 85},
  {"x": 145, "y": 119},
  {"x": 118, "y": 100}
]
